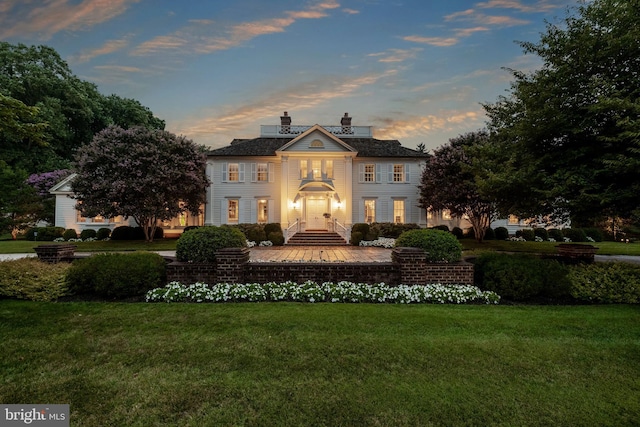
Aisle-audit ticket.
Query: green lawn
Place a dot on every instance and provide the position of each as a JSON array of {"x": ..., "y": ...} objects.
[
  {"x": 471, "y": 247},
  {"x": 304, "y": 364}
]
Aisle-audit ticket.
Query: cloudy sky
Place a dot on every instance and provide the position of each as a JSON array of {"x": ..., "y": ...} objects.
[{"x": 416, "y": 70}]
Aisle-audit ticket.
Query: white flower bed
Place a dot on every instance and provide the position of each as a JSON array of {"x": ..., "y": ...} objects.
[
  {"x": 381, "y": 242},
  {"x": 346, "y": 292}
]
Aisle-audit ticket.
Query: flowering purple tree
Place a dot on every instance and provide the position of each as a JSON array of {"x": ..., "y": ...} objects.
[
  {"x": 43, "y": 182},
  {"x": 147, "y": 174},
  {"x": 449, "y": 182}
]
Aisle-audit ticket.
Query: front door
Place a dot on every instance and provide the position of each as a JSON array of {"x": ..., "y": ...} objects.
[{"x": 316, "y": 208}]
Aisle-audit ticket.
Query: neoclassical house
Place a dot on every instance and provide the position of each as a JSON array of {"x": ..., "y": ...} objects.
[
  {"x": 304, "y": 177},
  {"x": 314, "y": 177}
]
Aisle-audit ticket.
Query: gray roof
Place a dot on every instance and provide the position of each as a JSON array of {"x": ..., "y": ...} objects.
[{"x": 366, "y": 147}]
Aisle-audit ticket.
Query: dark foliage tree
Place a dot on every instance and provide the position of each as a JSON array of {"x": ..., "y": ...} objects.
[
  {"x": 569, "y": 133},
  {"x": 19, "y": 203},
  {"x": 146, "y": 174},
  {"x": 449, "y": 182}
]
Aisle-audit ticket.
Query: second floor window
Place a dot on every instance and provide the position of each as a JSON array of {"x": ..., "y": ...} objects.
[
  {"x": 262, "y": 172},
  {"x": 234, "y": 172}
]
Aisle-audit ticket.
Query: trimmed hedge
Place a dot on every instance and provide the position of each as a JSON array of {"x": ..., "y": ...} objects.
[
  {"x": 201, "y": 244},
  {"x": 521, "y": 277},
  {"x": 440, "y": 246},
  {"x": 32, "y": 279},
  {"x": 502, "y": 233},
  {"x": 575, "y": 234},
  {"x": 45, "y": 234},
  {"x": 388, "y": 229},
  {"x": 117, "y": 275},
  {"x": 103, "y": 233},
  {"x": 70, "y": 234},
  {"x": 614, "y": 282},
  {"x": 88, "y": 233}
]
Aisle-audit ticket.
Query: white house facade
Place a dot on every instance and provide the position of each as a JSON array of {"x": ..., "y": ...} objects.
[
  {"x": 306, "y": 178},
  {"x": 314, "y": 178}
]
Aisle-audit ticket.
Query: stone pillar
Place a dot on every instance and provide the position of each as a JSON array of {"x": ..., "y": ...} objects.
[{"x": 230, "y": 265}]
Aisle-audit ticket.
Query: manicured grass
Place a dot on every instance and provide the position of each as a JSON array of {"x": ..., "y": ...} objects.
[
  {"x": 304, "y": 364},
  {"x": 26, "y": 246},
  {"x": 471, "y": 247}
]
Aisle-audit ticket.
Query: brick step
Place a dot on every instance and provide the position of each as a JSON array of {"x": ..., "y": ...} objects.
[{"x": 314, "y": 238}]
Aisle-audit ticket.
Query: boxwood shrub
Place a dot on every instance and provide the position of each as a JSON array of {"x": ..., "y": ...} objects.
[
  {"x": 70, "y": 234},
  {"x": 502, "y": 233},
  {"x": 556, "y": 234},
  {"x": 575, "y": 234},
  {"x": 541, "y": 233},
  {"x": 388, "y": 229},
  {"x": 527, "y": 234},
  {"x": 88, "y": 233},
  {"x": 521, "y": 277},
  {"x": 276, "y": 237},
  {"x": 45, "y": 234},
  {"x": 441, "y": 246},
  {"x": 32, "y": 279},
  {"x": 117, "y": 275},
  {"x": 103, "y": 233},
  {"x": 614, "y": 282},
  {"x": 201, "y": 244}
]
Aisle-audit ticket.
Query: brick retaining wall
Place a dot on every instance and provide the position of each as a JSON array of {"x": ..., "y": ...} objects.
[{"x": 408, "y": 267}]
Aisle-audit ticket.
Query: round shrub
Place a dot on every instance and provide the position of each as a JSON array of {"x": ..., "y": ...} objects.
[
  {"x": 501, "y": 233},
  {"x": 457, "y": 231},
  {"x": 117, "y": 275},
  {"x": 595, "y": 233},
  {"x": 440, "y": 246},
  {"x": 103, "y": 233},
  {"x": 124, "y": 232},
  {"x": 527, "y": 234},
  {"x": 272, "y": 227},
  {"x": 575, "y": 234},
  {"x": 441, "y": 227},
  {"x": 190, "y": 227},
  {"x": 201, "y": 244},
  {"x": 521, "y": 277},
  {"x": 363, "y": 228},
  {"x": 356, "y": 238},
  {"x": 556, "y": 235},
  {"x": 70, "y": 234},
  {"x": 541, "y": 233},
  {"x": 489, "y": 234},
  {"x": 88, "y": 234},
  {"x": 276, "y": 238}
]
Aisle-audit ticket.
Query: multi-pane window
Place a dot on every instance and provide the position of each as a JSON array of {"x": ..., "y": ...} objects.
[
  {"x": 398, "y": 173},
  {"x": 446, "y": 215},
  {"x": 304, "y": 171},
  {"x": 369, "y": 173},
  {"x": 316, "y": 166},
  {"x": 263, "y": 211},
  {"x": 398, "y": 211},
  {"x": 328, "y": 166},
  {"x": 513, "y": 219},
  {"x": 369, "y": 211},
  {"x": 234, "y": 172},
  {"x": 263, "y": 172},
  {"x": 232, "y": 209}
]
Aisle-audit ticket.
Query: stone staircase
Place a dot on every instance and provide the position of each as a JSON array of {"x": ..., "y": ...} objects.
[{"x": 316, "y": 238}]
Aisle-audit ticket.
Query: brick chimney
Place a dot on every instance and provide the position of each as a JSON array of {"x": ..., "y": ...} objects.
[
  {"x": 346, "y": 124},
  {"x": 285, "y": 120}
]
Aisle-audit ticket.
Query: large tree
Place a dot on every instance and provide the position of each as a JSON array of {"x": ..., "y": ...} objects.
[
  {"x": 449, "y": 182},
  {"x": 146, "y": 174},
  {"x": 52, "y": 111},
  {"x": 569, "y": 133}
]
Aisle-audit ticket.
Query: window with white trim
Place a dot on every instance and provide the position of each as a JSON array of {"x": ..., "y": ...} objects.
[
  {"x": 370, "y": 173},
  {"x": 316, "y": 167},
  {"x": 328, "y": 168},
  {"x": 369, "y": 211},
  {"x": 398, "y": 173},
  {"x": 234, "y": 172},
  {"x": 262, "y": 172},
  {"x": 398, "y": 211},
  {"x": 304, "y": 171},
  {"x": 232, "y": 210},
  {"x": 446, "y": 215},
  {"x": 263, "y": 211}
]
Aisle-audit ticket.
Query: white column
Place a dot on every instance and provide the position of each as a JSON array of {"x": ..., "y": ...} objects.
[
  {"x": 348, "y": 203},
  {"x": 284, "y": 193}
]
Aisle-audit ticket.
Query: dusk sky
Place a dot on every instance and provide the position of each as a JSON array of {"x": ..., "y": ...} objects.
[{"x": 416, "y": 70}]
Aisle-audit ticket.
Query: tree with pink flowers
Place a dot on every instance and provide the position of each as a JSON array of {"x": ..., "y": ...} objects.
[{"x": 147, "y": 174}]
